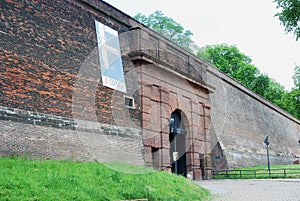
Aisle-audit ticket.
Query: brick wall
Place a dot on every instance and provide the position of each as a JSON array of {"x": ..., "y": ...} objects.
[
  {"x": 44, "y": 44},
  {"x": 52, "y": 101},
  {"x": 35, "y": 141}
]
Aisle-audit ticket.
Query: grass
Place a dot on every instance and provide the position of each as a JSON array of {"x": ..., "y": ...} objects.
[
  {"x": 261, "y": 172},
  {"x": 32, "y": 180}
]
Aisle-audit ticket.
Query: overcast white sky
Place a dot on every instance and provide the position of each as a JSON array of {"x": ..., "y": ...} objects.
[{"x": 250, "y": 25}]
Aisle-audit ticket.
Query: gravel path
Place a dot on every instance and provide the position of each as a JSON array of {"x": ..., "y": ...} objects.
[{"x": 253, "y": 190}]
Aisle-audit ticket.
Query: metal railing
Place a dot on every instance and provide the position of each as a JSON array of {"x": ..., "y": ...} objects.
[{"x": 256, "y": 173}]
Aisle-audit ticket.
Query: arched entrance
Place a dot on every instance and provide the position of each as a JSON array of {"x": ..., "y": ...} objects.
[{"x": 177, "y": 144}]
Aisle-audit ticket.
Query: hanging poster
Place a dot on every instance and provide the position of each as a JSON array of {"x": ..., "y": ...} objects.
[{"x": 110, "y": 57}]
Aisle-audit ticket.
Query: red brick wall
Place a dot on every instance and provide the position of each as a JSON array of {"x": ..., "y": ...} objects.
[{"x": 43, "y": 47}]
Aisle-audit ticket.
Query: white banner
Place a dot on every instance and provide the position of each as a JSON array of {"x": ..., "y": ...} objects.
[{"x": 110, "y": 57}]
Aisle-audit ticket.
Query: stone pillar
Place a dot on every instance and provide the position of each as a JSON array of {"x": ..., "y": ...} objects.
[{"x": 207, "y": 142}]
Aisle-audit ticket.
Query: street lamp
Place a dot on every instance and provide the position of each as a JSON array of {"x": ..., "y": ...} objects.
[
  {"x": 175, "y": 125},
  {"x": 173, "y": 130},
  {"x": 267, "y": 143}
]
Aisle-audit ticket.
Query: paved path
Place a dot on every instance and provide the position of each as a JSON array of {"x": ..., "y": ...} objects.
[{"x": 253, "y": 190}]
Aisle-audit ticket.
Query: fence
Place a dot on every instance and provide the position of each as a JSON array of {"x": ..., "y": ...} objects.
[{"x": 257, "y": 173}]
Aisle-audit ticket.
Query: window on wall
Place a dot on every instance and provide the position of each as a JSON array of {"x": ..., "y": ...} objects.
[{"x": 129, "y": 101}]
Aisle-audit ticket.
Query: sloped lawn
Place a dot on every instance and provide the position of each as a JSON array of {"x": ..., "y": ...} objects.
[{"x": 23, "y": 179}]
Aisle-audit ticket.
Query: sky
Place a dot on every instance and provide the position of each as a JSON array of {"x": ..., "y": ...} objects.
[{"x": 250, "y": 25}]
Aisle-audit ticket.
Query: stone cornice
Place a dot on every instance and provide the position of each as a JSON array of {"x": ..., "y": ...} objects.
[{"x": 140, "y": 55}]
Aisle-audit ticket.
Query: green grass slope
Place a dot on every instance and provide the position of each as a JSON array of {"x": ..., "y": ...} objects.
[{"x": 22, "y": 179}]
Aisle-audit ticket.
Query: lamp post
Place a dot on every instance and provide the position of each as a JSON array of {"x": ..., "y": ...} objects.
[
  {"x": 176, "y": 126},
  {"x": 175, "y": 154},
  {"x": 173, "y": 130},
  {"x": 299, "y": 145},
  {"x": 267, "y": 143}
]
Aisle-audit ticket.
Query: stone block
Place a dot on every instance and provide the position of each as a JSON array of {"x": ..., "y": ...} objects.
[
  {"x": 146, "y": 105},
  {"x": 208, "y": 160},
  {"x": 164, "y": 95},
  {"x": 197, "y": 173},
  {"x": 207, "y": 123},
  {"x": 173, "y": 101},
  {"x": 149, "y": 134},
  {"x": 197, "y": 143},
  {"x": 195, "y": 107},
  {"x": 155, "y": 121},
  {"x": 148, "y": 157},
  {"x": 146, "y": 120},
  {"x": 207, "y": 110},
  {"x": 166, "y": 110},
  {"x": 146, "y": 90},
  {"x": 184, "y": 104},
  {"x": 165, "y": 125},
  {"x": 208, "y": 147},
  {"x": 198, "y": 135},
  {"x": 196, "y": 161},
  {"x": 165, "y": 153},
  {"x": 166, "y": 144},
  {"x": 196, "y": 120},
  {"x": 151, "y": 121},
  {"x": 153, "y": 139},
  {"x": 147, "y": 149},
  {"x": 155, "y": 93},
  {"x": 189, "y": 162}
]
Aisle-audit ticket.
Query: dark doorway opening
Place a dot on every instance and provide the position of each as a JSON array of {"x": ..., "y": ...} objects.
[{"x": 177, "y": 144}]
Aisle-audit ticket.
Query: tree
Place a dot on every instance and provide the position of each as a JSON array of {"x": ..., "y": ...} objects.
[
  {"x": 167, "y": 27},
  {"x": 293, "y": 98},
  {"x": 276, "y": 93},
  {"x": 291, "y": 102},
  {"x": 261, "y": 84},
  {"x": 237, "y": 65},
  {"x": 289, "y": 15},
  {"x": 227, "y": 58},
  {"x": 296, "y": 77}
]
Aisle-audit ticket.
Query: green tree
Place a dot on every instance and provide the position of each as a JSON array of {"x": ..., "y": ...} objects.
[
  {"x": 289, "y": 15},
  {"x": 235, "y": 64},
  {"x": 296, "y": 77},
  {"x": 227, "y": 58},
  {"x": 169, "y": 28},
  {"x": 261, "y": 84},
  {"x": 292, "y": 101},
  {"x": 275, "y": 93}
]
